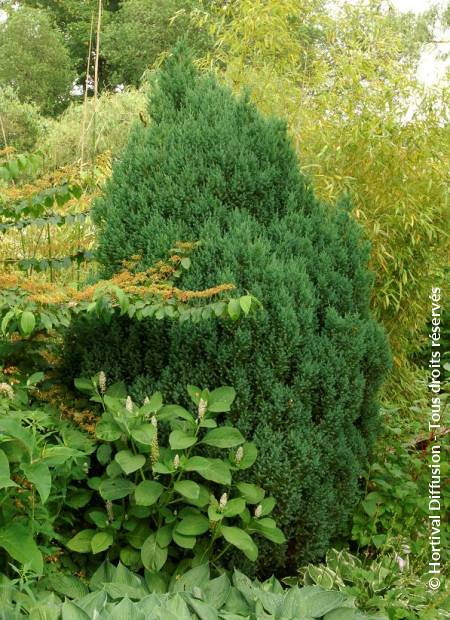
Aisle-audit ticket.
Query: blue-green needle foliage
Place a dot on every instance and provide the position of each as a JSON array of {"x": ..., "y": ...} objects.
[{"x": 307, "y": 369}]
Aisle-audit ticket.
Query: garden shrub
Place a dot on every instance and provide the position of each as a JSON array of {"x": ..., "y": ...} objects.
[{"x": 307, "y": 370}]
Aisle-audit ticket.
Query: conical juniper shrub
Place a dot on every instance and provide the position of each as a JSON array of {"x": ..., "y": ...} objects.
[{"x": 307, "y": 369}]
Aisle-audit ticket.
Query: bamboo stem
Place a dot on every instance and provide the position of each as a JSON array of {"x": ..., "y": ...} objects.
[
  {"x": 86, "y": 86},
  {"x": 97, "y": 54}
]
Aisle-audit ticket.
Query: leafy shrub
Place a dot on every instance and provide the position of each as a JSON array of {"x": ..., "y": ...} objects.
[
  {"x": 114, "y": 593},
  {"x": 158, "y": 505},
  {"x": 384, "y": 585},
  {"x": 34, "y": 59},
  {"x": 210, "y": 168},
  {"x": 394, "y": 512},
  {"x": 41, "y": 457},
  {"x": 115, "y": 113},
  {"x": 21, "y": 123}
]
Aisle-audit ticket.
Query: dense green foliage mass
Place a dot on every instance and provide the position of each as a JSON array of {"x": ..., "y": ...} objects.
[
  {"x": 21, "y": 123},
  {"x": 34, "y": 60},
  {"x": 209, "y": 167}
]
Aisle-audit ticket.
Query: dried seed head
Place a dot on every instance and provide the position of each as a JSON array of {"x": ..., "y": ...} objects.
[
  {"x": 129, "y": 404},
  {"x": 258, "y": 511},
  {"x": 202, "y": 409},
  {"x": 239, "y": 454},
  {"x": 223, "y": 501},
  {"x": 102, "y": 382},
  {"x": 6, "y": 390},
  {"x": 176, "y": 461}
]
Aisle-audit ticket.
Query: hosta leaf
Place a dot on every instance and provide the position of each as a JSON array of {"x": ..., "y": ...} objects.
[
  {"x": 70, "y": 611},
  {"x": 153, "y": 556}
]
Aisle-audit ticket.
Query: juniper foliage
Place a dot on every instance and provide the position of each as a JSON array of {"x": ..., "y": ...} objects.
[{"x": 307, "y": 370}]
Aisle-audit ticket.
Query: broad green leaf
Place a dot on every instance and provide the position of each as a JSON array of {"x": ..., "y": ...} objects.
[
  {"x": 210, "y": 469},
  {"x": 187, "y": 488},
  {"x": 164, "y": 535},
  {"x": 192, "y": 525},
  {"x": 250, "y": 454},
  {"x": 268, "y": 529},
  {"x": 68, "y": 585},
  {"x": 320, "y": 603},
  {"x": 38, "y": 474},
  {"x": 217, "y": 591},
  {"x": 84, "y": 385},
  {"x": 267, "y": 505},
  {"x": 240, "y": 539},
  {"x": 221, "y": 399},
  {"x": 245, "y": 303},
  {"x": 179, "y": 440},
  {"x": 117, "y": 488},
  {"x": 27, "y": 322},
  {"x": 71, "y": 611},
  {"x": 153, "y": 556},
  {"x": 144, "y": 434},
  {"x": 186, "y": 542},
  {"x": 154, "y": 404},
  {"x": 107, "y": 430},
  {"x": 169, "y": 412},
  {"x": 130, "y": 462},
  {"x": 117, "y": 390},
  {"x": 234, "y": 507},
  {"x": 81, "y": 542},
  {"x": 250, "y": 492},
  {"x": 5, "y": 480},
  {"x": 101, "y": 541},
  {"x": 223, "y": 437},
  {"x": 13, "y": 428},
  {"x": 16, "y": 539},
  {"x": 234, "y": 309},
  {"x": 195, "y": 393},
  {"x": 148, "y": 492}
]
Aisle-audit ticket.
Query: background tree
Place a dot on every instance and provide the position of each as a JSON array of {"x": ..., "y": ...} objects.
[
  {"x": 34, "y": 60},
  {"x": 143, "y": 29},
  {"x": 73, "y": 18},
  {"x": 362, "y": 124},
  {"x": 20, "y": 123}
]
